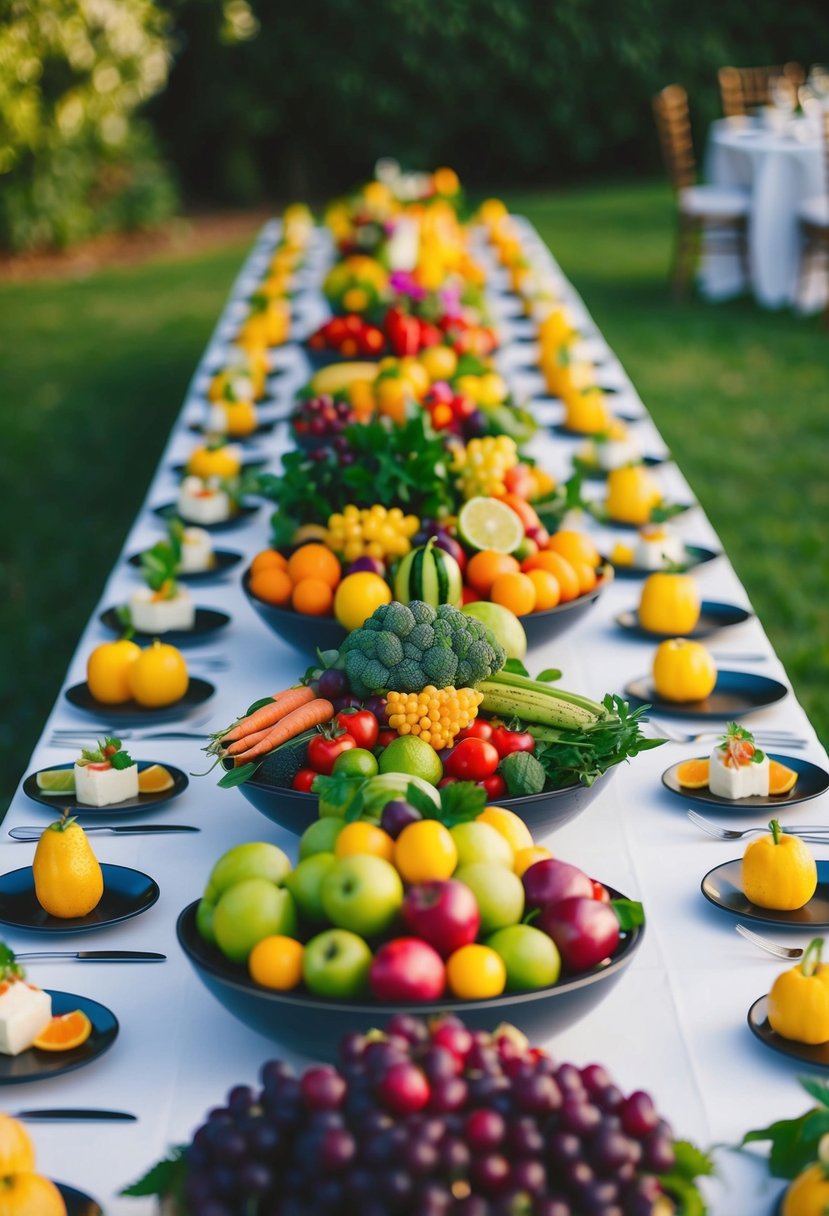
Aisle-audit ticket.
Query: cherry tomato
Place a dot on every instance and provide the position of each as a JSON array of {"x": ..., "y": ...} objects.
[
  {"x": 600, "y": 892},
  {"x": 361, "y": 725},
  {"x": 447, "y": 781},
  {"x": 472, "y": 760},
  {"x": 509, "y": 741},
  {"x": 386, "y": 737},
  {"x": 323, "y": 751},
  {"x": 495, "y": 786},
  {"x": 304, "y": 780},
  {"x": 479, "y": 729}
]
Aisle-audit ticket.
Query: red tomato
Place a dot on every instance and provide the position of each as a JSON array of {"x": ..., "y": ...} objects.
[
  {"x": 361, "y": 724},
  {"x": 495, "y": 786},
  {"x": 479, "y": 729},
  {"x": 509, "y": 741},
  {"x": 386, "y": 737},
  {"x": 600, "y": 892},
  {"x": 447, "y": 781},
  {"x": 322, "y": 751},
  {"x": 304, "y": 780},
  {"x": 472, "y": 760}
]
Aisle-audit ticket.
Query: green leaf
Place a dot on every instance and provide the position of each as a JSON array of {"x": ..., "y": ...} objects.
[
  {"x": 257, "y": 705},
  {"x": 791, "y": 1149},
  {"x": 166, "y": 1178},
  {"x": 523, "y": 773},
  {"x": 629, "y": 913},
  {"x": 549, "y": 675},
  {"x": 692, "y": 1162},
  {"x": 516, "y": 667},
  {"x": 238, "y": 776},
  {"x": 461, "y": 802},
  {"x": 124, "y": 616},
  {"x": 819, "y": 1090},
  {"x": 340, "y": 792},
  {"x": 421, "y": 801},
  {"x": 121, "y": 760}
]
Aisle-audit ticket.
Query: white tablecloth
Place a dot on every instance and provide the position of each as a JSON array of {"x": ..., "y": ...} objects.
[
  {"x": 674, "y": 1025},
  {"x": 781, "y": 171}
]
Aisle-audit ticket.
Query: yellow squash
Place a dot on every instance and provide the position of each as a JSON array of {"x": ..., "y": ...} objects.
[
  {"x": 808, "y": 1194},
  {"x": 68, "y": 878},
  {"x": 670, "y": 603},
  {"x": 798, "y": 1004},
  {"x": 778, "y": 871},
  {"x": 683, "y": 671}
]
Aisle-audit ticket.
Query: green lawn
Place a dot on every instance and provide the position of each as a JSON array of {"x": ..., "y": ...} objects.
[{"x": 92, "y": 373}]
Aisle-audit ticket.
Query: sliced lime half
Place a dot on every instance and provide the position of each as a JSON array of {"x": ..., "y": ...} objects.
[
  {"x": 56, "y": 781},
  {"x": 488, "y": 523}
]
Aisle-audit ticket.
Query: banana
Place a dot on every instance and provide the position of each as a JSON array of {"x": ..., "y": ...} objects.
[
  {"x": 339, "y": 376},
  {"x": 546, "y": 708}
]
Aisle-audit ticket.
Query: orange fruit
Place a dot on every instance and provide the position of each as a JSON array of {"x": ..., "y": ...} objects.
[
  {"x": 313, "y": 597},
  {"x": 271, "y": 585},
  {"x": 314, "y": 561},
  {"x": 361, "y": 837},
  {"x": 483, "y": 568},
  {"x": 30, "y": 1193},
  {"x": 65, "y": 1031},
  {"x": 693, "y": 774},
  {"x": 475, "y": 972},
  {"x": 568, "y": 580},
  {"x": 514, "y": 591},
  {"x": 575, "y": 547},
  {"x": 158, "y": 676},
  {"x": 586, "y": 575},
  {"x": 547, "y": 589},
  {"x": 154, "y": 780},
  {"x": 17, "y": 1153},
  {"x": 527, "y": 514},
  {"x": 107, "y": 671},
  {"x": 240, "y": 417},
  {"x": 425, "y": 850},
  {"x": 781, "y": 779},
  {"x": 276, "y": 962},
  {"x": 268, "y": 559}
]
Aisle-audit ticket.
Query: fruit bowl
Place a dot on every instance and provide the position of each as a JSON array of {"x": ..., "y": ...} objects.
[
  {"x": 542, "y": 813},
  {"x": 541, "y": 627},
  {"x": 313, "y": 1027},
  {"x": 305, "y": 633}
]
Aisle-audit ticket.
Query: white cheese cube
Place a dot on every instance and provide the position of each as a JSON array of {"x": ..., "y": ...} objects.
[
  {"x": 25, "y": 1012},
  {"x": 96, "y": 785},
  {"x": 150, "y": 614},
  {"x": 196, "y": 551},
  {"x": 614, "y": 453},
  {"x": 202, "y": 503},
  {"x": 740, "y": 781},
  {"x": 216, "y": 423},
  {"x": 657, "y": 550}
]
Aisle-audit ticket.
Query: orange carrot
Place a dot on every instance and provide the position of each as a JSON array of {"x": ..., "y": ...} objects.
[
  {"x": 268, "y": 715},
  {"x": 298, "y": 720}
]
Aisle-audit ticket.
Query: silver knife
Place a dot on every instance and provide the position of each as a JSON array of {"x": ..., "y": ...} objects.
[
  {"x": 129, "y": 829},
  {"x": 96, "y": 956},
  {"x": 80, "y": 1114}
]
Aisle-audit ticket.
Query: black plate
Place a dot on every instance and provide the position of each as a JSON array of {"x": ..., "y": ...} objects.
[
  {"x": 251, "y": 465},
  {"x": 599, "y": 513},
  {"x": 34, "y": 1065},
  {"x": 735, "y": 693},
  {"x": 144, "y": 802},
  {"x": 721, "y": 887},
  {"x": 592, "y": 472},
  {"x": 127, "y": 893},
  {"x": 712, "y": 618},
  {"x": 208, "y": 621},
  {"x": 313, "y": 1026},
  {"x": 811, "y": 781},
  {"x": 559, "y": 428},
  {"x": 696, "y": 556},
  {"x": 169, "y": 510},
  {"x": 262, "y": 428},
  {"x": 223, "y": 561},
  {"x": 758, "y": 1024},
  {"x": 130, "y": 713},
  {"x": 78, "y": 1203}
]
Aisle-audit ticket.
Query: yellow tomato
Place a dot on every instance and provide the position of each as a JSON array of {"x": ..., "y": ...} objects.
[
  {"x": 632, "y": 494},
  {"x": 361, "y": 837},
  {"x": 107, "y": 671},
  {"x": 670, "y": 603},
  {"x": 440, "y": 362},
  {"x": 492, "y": 389},
  {"x": 240, "y": 417},
  {"x": 158, "y": 676},
  {"x": 808, "y": 1194},
  {"x": 414, "y": 371},
  {"x": 424, "y": 851},
  {"x": 585, "y": 410},
  {"x": 276, "y": 962},
  {"x": 357, "y": 596},
  {"x": 683, "y": 671},
  {"x": 213, "y": 462},
  {"x": 475, "y": 972}
]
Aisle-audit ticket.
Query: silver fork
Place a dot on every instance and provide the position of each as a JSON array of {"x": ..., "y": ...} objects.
[
  {"x": 815, "y": 833},
  {"x": 787, "y": 952},
  {"x": 773, "y": 738}
]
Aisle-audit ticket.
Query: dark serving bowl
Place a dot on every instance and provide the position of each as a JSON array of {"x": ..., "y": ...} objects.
[
  {"x": 541, "y": 627},
  {"x": 313, "y": 1027},
  {"x": 542, "y": 813},
  {"x": 324, "y": 358},
  {"x": 305, "y": 633}
]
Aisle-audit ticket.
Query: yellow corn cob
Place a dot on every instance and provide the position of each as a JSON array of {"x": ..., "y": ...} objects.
[{"x": 434, "y": 714}]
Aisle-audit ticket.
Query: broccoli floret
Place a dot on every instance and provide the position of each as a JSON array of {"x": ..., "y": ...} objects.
[
  {"x": 423, "y": 614},
  {"x": 422, "y": 636},
  {"x": 389, "y": 648},
  {"x": 442, "y": 632},
  {"x": 399, "y": 619},
  {"x": 410, "y": 651},
  {"x": 372, "y": 625},
  {"x": 376, "y": 676},
  {"x": 369, "y": 644},
  {"x": 408, "y": 677},
  {"x": 440, "y": 666}
]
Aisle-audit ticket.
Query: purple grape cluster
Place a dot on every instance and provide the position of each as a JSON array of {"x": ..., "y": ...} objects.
[
  {"x": 322, "y": 418},
  {"x": 431, "y": 1121}
]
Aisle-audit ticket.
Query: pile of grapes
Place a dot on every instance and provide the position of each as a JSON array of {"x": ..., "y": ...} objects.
[
  {"x": 432, "y": 1121},
  {"x": 316, "y": 420}
]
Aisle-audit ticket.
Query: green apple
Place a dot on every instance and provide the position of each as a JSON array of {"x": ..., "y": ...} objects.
[
  {"x": 255, "y": 860},
  {"x": 362, "y": 893},
  {"x": 335, "y": 964},
  {"x": 305, "y": 883},
  {"x": 320, "y": 837},
  {"x": 249, "y": 911},
  {"x": 504, "y": 624},
  {"x": 204, "y": 920},
  {"x": 531, "y": 957},
  {"x": 499, "y": 893},
  {"x": 480, "y": 842}
]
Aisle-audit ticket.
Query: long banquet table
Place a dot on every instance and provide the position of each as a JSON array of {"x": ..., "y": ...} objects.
[{"x": 675, "y": 1024}]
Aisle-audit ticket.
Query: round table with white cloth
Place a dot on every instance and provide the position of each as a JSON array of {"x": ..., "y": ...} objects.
[{"x": 781, "y": 169}]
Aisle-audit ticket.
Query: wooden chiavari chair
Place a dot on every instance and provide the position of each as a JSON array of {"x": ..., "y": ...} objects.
[{"x": 744, "y": 89}]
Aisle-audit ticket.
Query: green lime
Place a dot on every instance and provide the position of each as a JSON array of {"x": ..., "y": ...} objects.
[
  {"x": 410, "y": 755},
  {"x": 486, "y": 523},
  {"x": 56, "y": 781},
  {"x": 356, "y": 763}
]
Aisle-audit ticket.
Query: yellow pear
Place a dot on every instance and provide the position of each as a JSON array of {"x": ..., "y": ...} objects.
[{"x": 67, "y": 874}]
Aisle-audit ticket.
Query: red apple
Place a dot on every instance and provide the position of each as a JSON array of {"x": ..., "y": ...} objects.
[
  {"x": 407, "y": 969},
  {"x": 444, "y": 913},
  {"x": 549, "y": 881},
  {"x": 585, "y": 930}
]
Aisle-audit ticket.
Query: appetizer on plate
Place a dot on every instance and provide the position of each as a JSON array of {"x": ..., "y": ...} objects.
[
  {"x": 25, "y": 1010},
  {"x": 105, "y": 775},
  {"x": 656, "y": 547},
  {"x": 611, "y": 449},
  {"x": 204, "y": 501}
]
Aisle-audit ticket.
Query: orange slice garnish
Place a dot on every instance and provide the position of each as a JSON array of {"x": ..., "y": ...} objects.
[
  {"x": 781, "y": 779},
  {"x": 154, "y": 780},
  {"x": 64, "y": 1032},
  {"x": 693, "y": 774}
]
